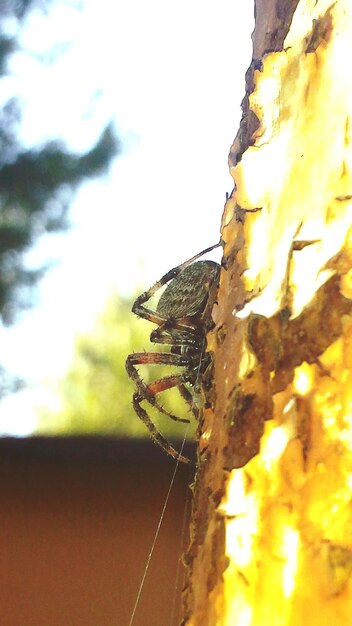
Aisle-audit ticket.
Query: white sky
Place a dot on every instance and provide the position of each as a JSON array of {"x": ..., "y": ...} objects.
[{"x": 171, "y": 75}]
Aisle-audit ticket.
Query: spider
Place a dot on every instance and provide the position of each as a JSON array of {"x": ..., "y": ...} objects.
[{"x": 183, "y": 318}]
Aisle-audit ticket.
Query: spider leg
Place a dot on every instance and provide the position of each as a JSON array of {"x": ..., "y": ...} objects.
[
  {"x": 173, "y": 335},
  {"x": 157, "y": 358},
  {"x": 184, "y": 324},
  {"x": 155, "y": 434},
  {"x": 148, "y": 392},
  {"x": 151, "y": 358},
  {"x": 157, "y": 387},
  {"x": 187, "y": 396}
]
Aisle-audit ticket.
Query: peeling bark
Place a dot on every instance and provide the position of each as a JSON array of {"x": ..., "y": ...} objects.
[{"x": 271, "y": 539}]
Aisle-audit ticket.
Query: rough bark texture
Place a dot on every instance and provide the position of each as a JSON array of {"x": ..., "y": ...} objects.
[{"x": 271, "y": 537}]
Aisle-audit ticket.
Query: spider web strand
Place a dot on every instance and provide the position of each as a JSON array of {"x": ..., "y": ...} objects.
[
  {"x": 161, "y": 519},
  {"x": 157, "y": 531}
]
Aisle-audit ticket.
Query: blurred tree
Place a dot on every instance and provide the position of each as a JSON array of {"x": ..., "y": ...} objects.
[
  {"x": 95, "y": 394},
  {"x": 36, "y": 185}
]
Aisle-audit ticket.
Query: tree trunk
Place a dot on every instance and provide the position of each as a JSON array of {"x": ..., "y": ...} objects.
[{"x": 271, "y": 536}]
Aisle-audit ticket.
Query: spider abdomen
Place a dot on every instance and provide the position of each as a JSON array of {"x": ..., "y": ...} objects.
[{"x": 187, "y": 293}]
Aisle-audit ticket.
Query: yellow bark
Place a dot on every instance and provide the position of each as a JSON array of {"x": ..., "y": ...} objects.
[{"x": 272, "y": 527}]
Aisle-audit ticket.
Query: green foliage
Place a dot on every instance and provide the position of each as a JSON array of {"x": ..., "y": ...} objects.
[
  {"x": 95, "y": 395},
  {"x": 36, "y": 185}
]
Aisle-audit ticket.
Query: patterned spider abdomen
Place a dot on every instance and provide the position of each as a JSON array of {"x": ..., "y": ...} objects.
[{"x": 187, "y": 294}]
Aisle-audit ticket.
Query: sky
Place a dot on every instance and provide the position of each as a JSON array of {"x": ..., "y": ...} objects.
[{"x": 171, "y": 77}]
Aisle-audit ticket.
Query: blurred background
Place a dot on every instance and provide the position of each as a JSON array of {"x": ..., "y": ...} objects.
[{"x": 116, "y": 120}]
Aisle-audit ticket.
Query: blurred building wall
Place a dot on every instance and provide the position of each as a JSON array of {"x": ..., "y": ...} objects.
[{"x": 77, "y": 520}]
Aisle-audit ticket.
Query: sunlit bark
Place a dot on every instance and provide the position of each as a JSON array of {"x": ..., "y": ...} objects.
[{"x": 272, "y": 525}]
